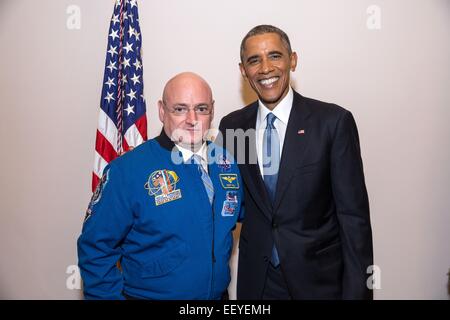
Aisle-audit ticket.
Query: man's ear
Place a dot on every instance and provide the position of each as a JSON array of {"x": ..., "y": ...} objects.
[
  {"x": 161, "y": 111},
  {"x": 212, "y": 110},
  {"x": 294, "y": 60},
  {"x": 244, "y": 74}
]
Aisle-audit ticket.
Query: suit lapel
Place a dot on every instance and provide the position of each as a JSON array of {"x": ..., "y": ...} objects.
[
  {"x": 250, "y": 171},
  {"x": 294, "y": 145}
]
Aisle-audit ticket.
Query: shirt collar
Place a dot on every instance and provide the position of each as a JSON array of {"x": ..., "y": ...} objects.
[
  {"x": 281, "y": 111},
  {"x": 187, "y": 153},
  {"x": 168, "y": 144}
]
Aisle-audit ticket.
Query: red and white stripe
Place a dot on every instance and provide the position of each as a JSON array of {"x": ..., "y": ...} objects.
[{"x": 106, "y": 148}]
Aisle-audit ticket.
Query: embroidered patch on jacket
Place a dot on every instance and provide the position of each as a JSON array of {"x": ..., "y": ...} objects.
[
  {"x": 162, "y": 184},
  {"x": 96, "y": 196},
  {"x": 229, "y": 181},
  {"x": 231, "y": 196},
  {"x": 230, "y": 205},
  {"x": 224, "y": 164}
]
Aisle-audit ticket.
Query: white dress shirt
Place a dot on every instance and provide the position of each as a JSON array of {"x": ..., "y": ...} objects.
[
  {"x": 282, "y": 112},
  {"x": 202, "y": 152}
]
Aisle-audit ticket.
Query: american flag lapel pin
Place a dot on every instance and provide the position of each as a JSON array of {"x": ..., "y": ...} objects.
[{"x": 301, "y": 132}]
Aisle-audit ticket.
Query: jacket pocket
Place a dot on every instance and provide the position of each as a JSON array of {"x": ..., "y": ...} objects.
[
  {"x": 166, "y": 262},
  {"x": 328, "y": 249},
  {"x": 310, "y": 167}
]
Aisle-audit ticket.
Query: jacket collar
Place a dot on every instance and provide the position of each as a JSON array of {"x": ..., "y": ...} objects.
[{"x": 165, "y": 141}]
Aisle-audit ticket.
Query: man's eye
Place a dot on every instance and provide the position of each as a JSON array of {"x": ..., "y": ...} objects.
[
  {"x": 252, "y": 61},
  {"x": 275, "y": 56},
  {"x": 179, "y": 109}
]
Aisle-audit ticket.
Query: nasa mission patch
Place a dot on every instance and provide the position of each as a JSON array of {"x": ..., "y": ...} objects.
[{"x": 96, "y": 196}]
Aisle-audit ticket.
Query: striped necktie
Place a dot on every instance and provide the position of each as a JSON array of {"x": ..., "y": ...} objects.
[
  {"x": 205, "y": 177},
  {"x": 271, "y": 164}
]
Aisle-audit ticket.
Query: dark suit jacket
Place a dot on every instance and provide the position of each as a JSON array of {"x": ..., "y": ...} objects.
[{"x": 320, "y": 217}]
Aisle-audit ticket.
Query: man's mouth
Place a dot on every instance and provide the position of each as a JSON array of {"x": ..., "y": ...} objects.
[{"x": 268, "y": 83}]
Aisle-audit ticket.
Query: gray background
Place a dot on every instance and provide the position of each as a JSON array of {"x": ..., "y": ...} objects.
[{"x": 395, "y": 80}]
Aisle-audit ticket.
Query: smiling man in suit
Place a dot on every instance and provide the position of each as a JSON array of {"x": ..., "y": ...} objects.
[{"x": 306, "y": 233}]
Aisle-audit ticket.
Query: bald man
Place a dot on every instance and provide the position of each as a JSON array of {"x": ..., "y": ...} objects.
[{"x": 165, "y": 210}]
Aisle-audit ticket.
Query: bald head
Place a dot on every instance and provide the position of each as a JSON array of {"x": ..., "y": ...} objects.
[
  {"x": 186, "y": 82},
  {"x": 186, "y": 108}
]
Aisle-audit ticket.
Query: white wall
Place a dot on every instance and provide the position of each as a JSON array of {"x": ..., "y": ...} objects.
[{"x": 395, "y": 80}]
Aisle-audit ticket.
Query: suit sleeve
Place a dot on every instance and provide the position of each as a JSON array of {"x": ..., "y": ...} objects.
[
  {"x": 107, "y": 222},
  {"x": 242, "y": 211},
  {"x": 222, "y": 126},
  {"x": 221, "y": 141},
  {"x": 352, "y": 207}
]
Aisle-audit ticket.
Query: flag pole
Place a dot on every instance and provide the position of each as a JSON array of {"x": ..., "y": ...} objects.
[{"x": 119, "y": 110}]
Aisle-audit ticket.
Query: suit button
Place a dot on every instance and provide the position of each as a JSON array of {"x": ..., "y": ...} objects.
[
  {"x": 274, "y": 225},
  {"x": 266, "y": 258}
]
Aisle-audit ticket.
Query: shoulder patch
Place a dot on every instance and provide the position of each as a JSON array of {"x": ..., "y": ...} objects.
[{"x": 96, "y": 196}]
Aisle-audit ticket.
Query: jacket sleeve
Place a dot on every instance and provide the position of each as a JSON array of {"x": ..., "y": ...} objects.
[
  {"x": 352, "y": 207},
  {"x": 223, "y": 126},
  {"x": 241, "y": 215},
  {"x": 107, "y": 223}
]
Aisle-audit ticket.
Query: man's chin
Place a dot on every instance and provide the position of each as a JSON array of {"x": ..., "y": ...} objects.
[{"x": 190, "y": 142}]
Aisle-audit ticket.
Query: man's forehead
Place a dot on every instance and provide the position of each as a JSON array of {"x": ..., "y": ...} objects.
[
  {"x": 188, "y": 97},
  {"x": 187, "y": 89},
  {"x": 271, "y": 41}
]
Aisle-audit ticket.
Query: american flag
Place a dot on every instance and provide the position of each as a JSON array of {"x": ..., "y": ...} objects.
[{"x": 122, "y": 122}]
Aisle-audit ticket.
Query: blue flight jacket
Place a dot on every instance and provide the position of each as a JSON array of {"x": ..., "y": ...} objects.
[{"x": 153, "y": 214}]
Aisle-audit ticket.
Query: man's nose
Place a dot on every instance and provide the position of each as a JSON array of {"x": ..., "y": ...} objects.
[
  {"x": 191, "y": 117},
  {"x": 266, "y": 66}
]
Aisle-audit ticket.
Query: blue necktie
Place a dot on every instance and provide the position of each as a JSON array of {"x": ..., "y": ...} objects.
[
  {"x": 205, "y": 177},
  {"x": 271, "y": 164}
]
